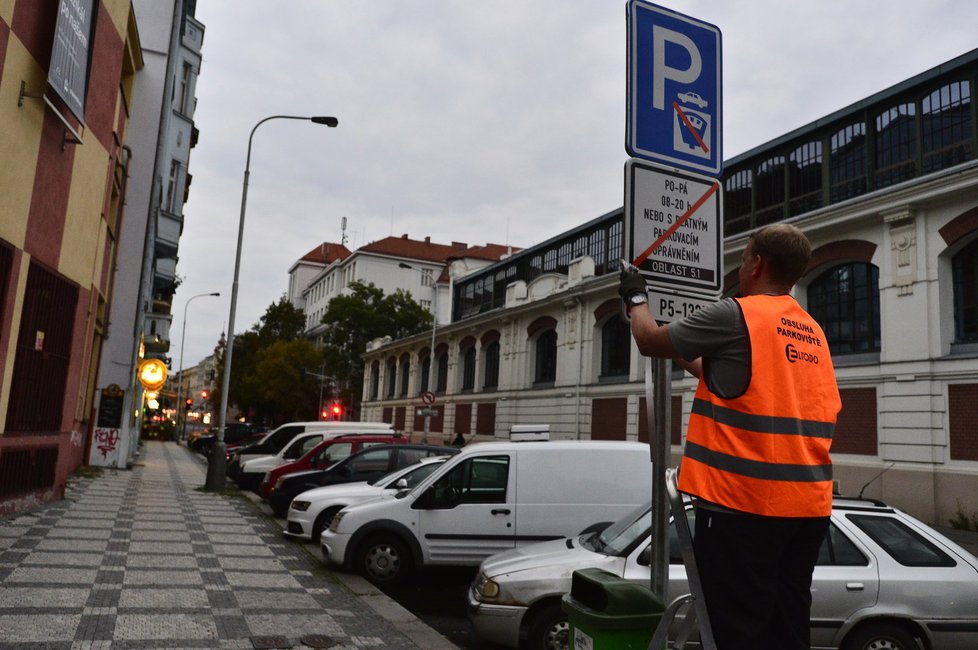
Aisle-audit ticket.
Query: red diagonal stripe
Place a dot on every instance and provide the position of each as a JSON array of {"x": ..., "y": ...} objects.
[
  {"x": 689, "y": 125},
  {"x": 664, "y": 236}
]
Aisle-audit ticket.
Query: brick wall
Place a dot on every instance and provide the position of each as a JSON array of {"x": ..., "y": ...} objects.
[
  {"x": 856, "y": 428},
  {"x": 675, "y": 431},
  {"x": 962, "y": 407}
]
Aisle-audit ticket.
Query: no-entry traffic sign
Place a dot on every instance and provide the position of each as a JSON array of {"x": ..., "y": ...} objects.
[{"x": 673, "y": 227}]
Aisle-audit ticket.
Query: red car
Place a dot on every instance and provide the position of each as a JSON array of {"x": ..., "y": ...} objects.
[{"x": 326, "y": 453}]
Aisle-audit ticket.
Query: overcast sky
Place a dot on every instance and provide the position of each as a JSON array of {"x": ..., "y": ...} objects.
[{"x": 497, "y": 121}]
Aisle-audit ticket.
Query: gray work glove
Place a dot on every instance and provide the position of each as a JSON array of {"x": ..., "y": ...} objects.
[{"x": 631, "y": 283}]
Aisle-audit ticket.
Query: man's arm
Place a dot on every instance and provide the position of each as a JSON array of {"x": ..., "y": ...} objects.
[{"x": 653, "y": 339}]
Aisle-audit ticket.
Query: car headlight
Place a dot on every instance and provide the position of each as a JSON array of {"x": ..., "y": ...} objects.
[
  {"x": 278, "y": 483},
  {"x": 301, "y": 506},
  {"x": 335, "y": 524},
  {"x": 486, "y": 589}
]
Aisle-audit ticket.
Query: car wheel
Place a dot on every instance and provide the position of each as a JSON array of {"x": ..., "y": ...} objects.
[
  {"x": 322, "y": 522},
  {"x": 880, "y": 636},
  {"x": 383, "y": 559},
  {"x": 549, "y": 629}
]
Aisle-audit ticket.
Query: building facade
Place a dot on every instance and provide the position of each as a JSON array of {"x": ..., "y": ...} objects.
[
  {"x": 67, "y": 75},
  {"x": 887, "y": 191},
  {"x": 162, "y": 136}
]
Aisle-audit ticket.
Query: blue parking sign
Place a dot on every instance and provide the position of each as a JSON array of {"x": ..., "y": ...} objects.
[{"x": 674, "y": 89}]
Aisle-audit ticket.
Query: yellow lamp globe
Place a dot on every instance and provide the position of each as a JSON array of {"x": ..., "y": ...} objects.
[{"x": 152, "y": 374}]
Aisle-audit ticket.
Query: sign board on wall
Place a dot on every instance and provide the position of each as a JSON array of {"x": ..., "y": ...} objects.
[{"x": 70, "y": 54}]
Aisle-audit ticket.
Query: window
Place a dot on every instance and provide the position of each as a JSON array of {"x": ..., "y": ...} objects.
[
  {"x": 491, "y": 375},
  {"x": 616, "y": 347},
  {"x": 391, "y": 378},
  {"x": 442, "y": 378},
  {"x": 905, "y": 545},
  {"x": 805, "y": 178},
  {"x": 184, "y": 100},
  {"x": 845, "y": 301},
  {"x": 374, "y": 380},
  {"x": 770, "y": 191},
  {"x": 330, "y": 453},
  {"x": 736, "y": 202},
  {"x": 44, "y": 347},
  {"x": 545, "y": 369},
  {"x": 468, "y": 368},
  {"x": 964, "y": 273},
  {"x": 373, "y": 460},
  {"x": 847, "y": 162},
  {"x": 896, "y": 144},
  {"x": 171, "y": 187},
  {"x": 477, "y": 480},
  {"x": 838, "y": 550},
  {"x": 425, "y": 374},
  {"x": 427, "y": 277},
  {"x": 946, "y": 126},
  {"x": 405, "y": 374}
]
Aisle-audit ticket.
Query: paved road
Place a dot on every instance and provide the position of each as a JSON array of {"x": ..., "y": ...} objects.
[{"x": 143, "y": 558}]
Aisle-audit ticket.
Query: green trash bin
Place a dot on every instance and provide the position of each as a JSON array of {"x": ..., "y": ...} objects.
[{"x": 607, "y": 612}]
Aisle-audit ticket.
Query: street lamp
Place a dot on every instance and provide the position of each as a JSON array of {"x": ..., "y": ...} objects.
[
  {"x": 217, "y": 461},
  {"x": 431, "y": 357},
  {"x": 183, "y": 336}
]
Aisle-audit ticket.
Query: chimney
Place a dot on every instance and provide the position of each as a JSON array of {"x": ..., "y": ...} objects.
[
  {"x": 427, "y": 239},
  {"x": 460, "y": 245}
]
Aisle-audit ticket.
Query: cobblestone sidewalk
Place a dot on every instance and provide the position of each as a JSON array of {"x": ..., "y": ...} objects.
[{"x": 144, "y": 559}]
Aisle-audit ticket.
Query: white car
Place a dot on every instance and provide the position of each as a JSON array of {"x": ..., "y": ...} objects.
[
  {"x": 883, "y": 581},
  {"x": 253, "y": 470},
  {"x": 312, "y": 510}
]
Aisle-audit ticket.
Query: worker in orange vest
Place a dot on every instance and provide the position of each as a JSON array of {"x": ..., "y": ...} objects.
[{"x": 756, "y": 460}]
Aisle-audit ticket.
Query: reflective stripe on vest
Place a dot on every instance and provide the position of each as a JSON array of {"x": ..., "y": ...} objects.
[{"x": 767, "y": 451}]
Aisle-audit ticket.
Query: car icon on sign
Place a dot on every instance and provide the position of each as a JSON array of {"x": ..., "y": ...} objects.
[{"x": 692, "y": 98}]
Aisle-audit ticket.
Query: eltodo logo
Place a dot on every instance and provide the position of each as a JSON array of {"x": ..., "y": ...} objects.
[{"x": 794, "y": 354}]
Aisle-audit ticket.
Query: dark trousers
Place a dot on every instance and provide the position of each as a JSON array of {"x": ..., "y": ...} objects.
[{"x": 757, "y": 577}]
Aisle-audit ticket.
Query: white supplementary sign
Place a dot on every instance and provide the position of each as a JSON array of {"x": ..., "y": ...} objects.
[
  {"x": 670, "y": 306},
  {"x": 673, "y": 227}
]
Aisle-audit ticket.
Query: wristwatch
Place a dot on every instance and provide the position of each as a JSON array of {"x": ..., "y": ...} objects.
[{"x": 635, "y": 299}]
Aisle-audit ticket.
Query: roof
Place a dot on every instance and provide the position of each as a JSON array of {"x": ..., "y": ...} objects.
[
  {"x": 428, "y": 251},
  {"x": 326, "y": 253}
]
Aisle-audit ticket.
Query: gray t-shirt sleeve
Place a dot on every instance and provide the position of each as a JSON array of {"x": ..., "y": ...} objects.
[{"x": 718, "y": 334}]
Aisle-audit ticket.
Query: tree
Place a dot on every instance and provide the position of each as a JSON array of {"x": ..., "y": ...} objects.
[
  {"x": 355, "y": 319},
  {"x": 278, "y": 367}
]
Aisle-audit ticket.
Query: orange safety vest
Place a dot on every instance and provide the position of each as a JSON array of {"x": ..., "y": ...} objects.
[{"x": 767, "y": 451}]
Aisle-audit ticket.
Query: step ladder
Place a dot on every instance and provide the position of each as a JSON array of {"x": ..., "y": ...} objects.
[{"x": 692, "y": 603}]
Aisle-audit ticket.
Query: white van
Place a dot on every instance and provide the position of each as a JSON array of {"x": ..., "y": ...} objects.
[
  {"x": 295, "y": 440},
  {"x": 491, "y": 497}
]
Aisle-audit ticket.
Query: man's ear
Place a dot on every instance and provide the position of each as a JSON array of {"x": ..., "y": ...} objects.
[{"x": 759, "y": 268}]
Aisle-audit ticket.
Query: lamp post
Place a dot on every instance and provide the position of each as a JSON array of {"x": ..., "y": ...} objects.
[
  {"x": 431, "y": 357},
  {"x": 183, "y": 336},
  {"x": 217, "y": 461}
]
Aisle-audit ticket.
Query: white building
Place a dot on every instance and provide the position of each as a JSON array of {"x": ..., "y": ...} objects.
[
  {"x": 887, "y": 191},
  {"x": 162, "y": 133}
]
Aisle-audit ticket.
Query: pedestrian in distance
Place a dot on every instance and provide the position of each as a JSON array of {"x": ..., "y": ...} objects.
[{"x": 756, "y": 460}]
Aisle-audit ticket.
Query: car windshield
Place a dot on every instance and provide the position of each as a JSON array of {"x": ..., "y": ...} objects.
[
  {"x": 621, "y": 536},
  {"x": 414, "y": 476}
]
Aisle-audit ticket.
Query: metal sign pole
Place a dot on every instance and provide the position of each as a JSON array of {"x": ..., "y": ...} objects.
[{"x": 658, "y": 390}]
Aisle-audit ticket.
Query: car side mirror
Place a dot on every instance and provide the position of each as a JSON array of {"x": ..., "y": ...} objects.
[
  {"x": 401, "y": 484},
  {"x": 645, "y": 557}
]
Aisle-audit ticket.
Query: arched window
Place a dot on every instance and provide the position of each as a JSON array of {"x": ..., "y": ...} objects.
[
  {"x": 847, "y": 162},
  {"x": 616, "y": 345},
  {"x": 946, "y": 126},
  {"x": 425, "y": 373},
  {"x": 491, "y": 374},
  {"x": 896, "y": 144},
  {"x": 845, "y": 300},
  {"x": 391, "y": 377},
  {"x": 442, "y": 376},
  {"x": 545, "y": 368},
  {"x": 468, "y": 368},
  {"x": 374, "y": 380},
  {"x": 964, "y": 269},
  {"x": 405, "y": 374}
]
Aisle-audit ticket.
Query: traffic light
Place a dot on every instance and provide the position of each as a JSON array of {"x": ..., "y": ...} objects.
[
  {"x": 204, "y": 394},
  {"x": 337, "y": 411},
  {"x": 188, "y": 403}
]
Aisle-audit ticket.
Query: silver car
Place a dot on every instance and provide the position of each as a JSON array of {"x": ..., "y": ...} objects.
[{"x": 884, "y": 580}]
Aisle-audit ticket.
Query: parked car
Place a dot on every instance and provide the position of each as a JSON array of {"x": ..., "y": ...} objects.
[
  {"x": 235, "y": 433},
  {"x": 326, "y": 454},
  {"x": 883, "y": 579},
  {"x": 276, "y": 440},
  {"x": 311, "y": 511},
  {"x": 490, "y": 497}
]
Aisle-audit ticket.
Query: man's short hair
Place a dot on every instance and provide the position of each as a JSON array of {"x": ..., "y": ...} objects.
[{"x": 785, "y": 249}]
